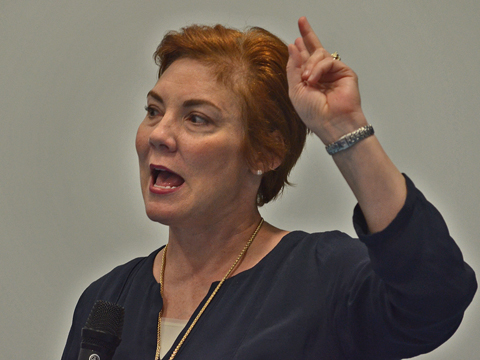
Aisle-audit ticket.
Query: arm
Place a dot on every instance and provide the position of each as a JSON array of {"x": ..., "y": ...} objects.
[
  {"x": 410, "y": 294},
  {"x": 325, "y": 94}
]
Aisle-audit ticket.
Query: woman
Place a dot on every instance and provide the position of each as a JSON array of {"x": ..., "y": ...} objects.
[{"x": 225, "y": 124}]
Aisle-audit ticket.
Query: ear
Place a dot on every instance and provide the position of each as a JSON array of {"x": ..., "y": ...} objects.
[{"x": 269, "y": 161}]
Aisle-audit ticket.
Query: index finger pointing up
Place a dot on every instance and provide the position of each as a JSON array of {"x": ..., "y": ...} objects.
[{"x": 309, "y": 37}]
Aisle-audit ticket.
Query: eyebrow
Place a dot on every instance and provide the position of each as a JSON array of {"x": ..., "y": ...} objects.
[
  {"x": 186, "y": 103},
  {"x": 154, "y": 95}
]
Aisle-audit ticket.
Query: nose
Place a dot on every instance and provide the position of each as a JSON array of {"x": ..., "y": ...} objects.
[{"x": 164, "y": 134}]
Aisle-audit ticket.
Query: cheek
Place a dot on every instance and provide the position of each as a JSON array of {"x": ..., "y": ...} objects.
[
  {"x": 142, "y": 146},
  {"x": 141, "y": 142},
  {"x": 218, "y": 157}
]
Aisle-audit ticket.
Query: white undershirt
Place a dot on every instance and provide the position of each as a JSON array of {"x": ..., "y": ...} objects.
[{"x": 170, "y": 329}]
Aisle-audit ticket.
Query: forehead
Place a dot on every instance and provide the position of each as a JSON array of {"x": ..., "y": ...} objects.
[{"x": 189, "y": 78}]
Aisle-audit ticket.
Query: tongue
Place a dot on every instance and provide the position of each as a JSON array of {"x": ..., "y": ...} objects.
[{"x": 166, "y": 178}]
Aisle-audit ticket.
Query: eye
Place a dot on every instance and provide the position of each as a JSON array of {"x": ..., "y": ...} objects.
[
  {"x": 151, "y": 111},
  {"x": 197, "y": 119}
]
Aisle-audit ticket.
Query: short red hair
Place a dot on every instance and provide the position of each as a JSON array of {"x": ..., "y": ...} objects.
[{"x": 253, "y": 64}]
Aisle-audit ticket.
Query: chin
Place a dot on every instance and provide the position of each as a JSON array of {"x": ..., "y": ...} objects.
[
  {"x": 166, "y": 215},
  {"x": 158, "y": 213},
  {"x": 162, "y": 218}
]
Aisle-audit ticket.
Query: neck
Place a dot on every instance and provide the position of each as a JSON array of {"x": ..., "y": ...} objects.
[
  {"x": 211, "y": 247},
  {"x": 194, "y": 262}
]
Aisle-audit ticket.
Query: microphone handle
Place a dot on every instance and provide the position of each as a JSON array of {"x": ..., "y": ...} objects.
[{"x": 89, "y": 354}]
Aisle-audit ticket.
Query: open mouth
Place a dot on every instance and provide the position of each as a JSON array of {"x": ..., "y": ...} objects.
[{"x": 164, "y": 178}]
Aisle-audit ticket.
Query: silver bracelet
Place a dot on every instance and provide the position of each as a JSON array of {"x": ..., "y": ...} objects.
[{"x": 350, "y": 139}]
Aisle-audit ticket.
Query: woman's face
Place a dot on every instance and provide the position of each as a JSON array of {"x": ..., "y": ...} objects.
[{"x": 192, "y": 167}]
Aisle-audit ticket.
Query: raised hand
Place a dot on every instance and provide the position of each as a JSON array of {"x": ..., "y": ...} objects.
[
  {"x": 323, "y": 90},
  {"x": 325, "y": 94}
]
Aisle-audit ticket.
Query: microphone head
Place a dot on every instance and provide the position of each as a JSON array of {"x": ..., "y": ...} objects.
[
  {"x": 103, "y": 330},
  {"x": 106, "y": 317}
]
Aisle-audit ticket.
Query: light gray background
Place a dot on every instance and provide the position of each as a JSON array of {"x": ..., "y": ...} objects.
[{"x": 73, "y": 80}]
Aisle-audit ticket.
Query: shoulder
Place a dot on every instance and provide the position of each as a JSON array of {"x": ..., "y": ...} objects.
[
  {"x": 111, "y": 286},
  {"x": 331, "y": 249},
  {"x": 328, "y": 242}
]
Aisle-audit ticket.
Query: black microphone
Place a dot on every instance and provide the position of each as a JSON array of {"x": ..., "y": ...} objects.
[{"x": 102, "y": 332}]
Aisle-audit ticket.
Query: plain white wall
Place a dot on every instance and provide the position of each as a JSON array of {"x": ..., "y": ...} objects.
[{"x": 73, "y": 80}]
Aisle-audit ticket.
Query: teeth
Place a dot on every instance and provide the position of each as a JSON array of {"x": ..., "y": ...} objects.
[
  {"x": 158, "y": 169},
  {"x": 165, "y": 187}
]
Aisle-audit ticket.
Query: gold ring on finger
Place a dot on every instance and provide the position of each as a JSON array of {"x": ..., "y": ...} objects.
[{"x": 336, "y": 56}]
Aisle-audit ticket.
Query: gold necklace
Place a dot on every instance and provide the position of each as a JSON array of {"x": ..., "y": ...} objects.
[{"x": 202, "y": 310}]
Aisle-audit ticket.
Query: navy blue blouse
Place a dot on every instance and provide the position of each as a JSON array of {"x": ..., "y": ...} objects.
[{"x": 394, "y": 294}]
